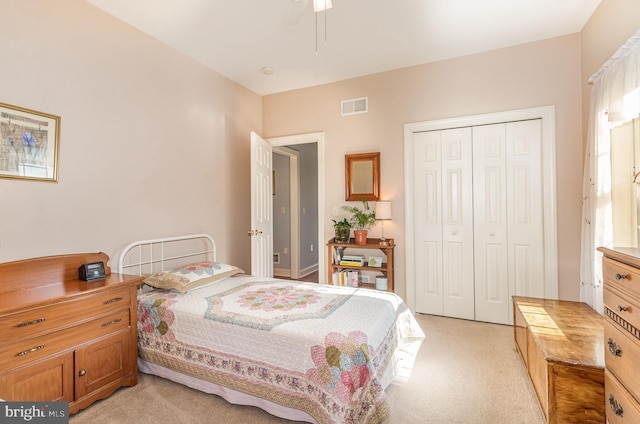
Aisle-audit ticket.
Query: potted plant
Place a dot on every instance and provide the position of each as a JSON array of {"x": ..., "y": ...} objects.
[
  {"x": 342, "y": 230},
  {"x": 361, "y": 220}
]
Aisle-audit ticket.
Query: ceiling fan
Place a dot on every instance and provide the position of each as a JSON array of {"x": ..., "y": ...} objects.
[{"x": 296, "y": 9}]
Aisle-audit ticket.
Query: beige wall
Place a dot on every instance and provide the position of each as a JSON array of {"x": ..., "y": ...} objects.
[
  {"x": 152, "y": 144},
  {"x": 163, "y": 141},
  {"x": 532, "y": 75}
]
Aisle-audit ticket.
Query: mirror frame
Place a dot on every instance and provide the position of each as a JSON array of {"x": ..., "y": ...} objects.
[{"x": 349, "y": 161}]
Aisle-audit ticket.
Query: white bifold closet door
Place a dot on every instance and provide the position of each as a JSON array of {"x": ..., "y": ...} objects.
[
  {"x": 478, "y": 219},
  {"x": 444, "y": 223}
]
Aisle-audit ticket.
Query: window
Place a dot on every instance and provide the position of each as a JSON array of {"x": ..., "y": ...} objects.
[{"x": 625, "y": 183}]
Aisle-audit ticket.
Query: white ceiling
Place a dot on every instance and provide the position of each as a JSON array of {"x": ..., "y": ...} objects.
[{"x": 239, "y": 37}]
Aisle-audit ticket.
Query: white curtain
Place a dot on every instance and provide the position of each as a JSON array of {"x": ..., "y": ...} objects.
[{"x": 615, "y": 98}]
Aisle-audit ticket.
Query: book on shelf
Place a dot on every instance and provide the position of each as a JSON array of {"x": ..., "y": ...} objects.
[
  {"x": 345, "y": 278},
  {"x": 350, "y": 263},
  {"x": 353, "y": 257},
  {"x": 352, "y": 260}
]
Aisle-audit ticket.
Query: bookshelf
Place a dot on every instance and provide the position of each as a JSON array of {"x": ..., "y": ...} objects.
[{"x": 372, "y": 248}]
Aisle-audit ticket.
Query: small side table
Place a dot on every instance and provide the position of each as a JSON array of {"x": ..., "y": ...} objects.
[{"x": 372, "y": 244}]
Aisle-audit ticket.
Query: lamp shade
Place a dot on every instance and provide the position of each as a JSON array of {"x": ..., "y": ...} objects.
[
  {"x": 383, "y": 210},
  {"x": 321, "y": 5}
]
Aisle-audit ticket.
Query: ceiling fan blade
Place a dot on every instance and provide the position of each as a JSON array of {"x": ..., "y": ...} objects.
[{"x": 295, "y": 11}]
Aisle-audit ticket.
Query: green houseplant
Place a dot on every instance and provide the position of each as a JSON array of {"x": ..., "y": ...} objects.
[
  {"x": 361, "y": 220},
  {"x": 342, "y": 230}
]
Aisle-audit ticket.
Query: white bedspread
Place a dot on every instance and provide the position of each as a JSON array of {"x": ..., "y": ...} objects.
[{"x": 328, "y": 351}]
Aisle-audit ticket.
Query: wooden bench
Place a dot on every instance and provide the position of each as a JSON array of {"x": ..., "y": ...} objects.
[{"x": 562, "y": 345}]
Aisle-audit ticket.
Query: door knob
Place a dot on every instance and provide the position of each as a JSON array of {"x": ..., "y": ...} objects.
[{"x": 82, "y": 373}]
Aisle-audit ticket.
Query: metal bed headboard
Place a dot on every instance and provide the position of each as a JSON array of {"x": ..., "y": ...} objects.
[{"x": 149, "y": 256}]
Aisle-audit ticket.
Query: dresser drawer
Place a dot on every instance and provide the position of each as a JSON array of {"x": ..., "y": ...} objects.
[
  {"x": 620, "y": 407},
  {"x": 622, "y": 278},
  {"x": 25, "y": 352},
  {"x": 40, "y": 321},
  {"x": 621, "y": 307},
  {"x": 622, "y": 355}
]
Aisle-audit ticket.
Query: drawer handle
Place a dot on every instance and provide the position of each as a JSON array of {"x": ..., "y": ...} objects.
[
  {"x": 33, "y": 349},
  {"x": 35, "y": 321},
  {"x": 114, "y": 300},
  {"x": 615, "y": 406},
  {"x": 621, "y": 308},
  {"x": 115, "y": 321},
  {"x": 614, "y": 348},
  {"x": 82, "y": 373},
  {"x": 621, "y": 276}
]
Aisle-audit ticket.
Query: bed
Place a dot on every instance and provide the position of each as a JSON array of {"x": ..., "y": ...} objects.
[{"x": 301, "y": 351}]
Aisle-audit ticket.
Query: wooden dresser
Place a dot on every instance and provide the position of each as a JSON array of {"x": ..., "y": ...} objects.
[
  {"x": 562, "y": 346},
  {"x": 621, "y": 270},
  {"x": 63, "y": 339}
]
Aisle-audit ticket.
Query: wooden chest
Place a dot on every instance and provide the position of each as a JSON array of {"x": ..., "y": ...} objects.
[{"x": 561, "y": 344}]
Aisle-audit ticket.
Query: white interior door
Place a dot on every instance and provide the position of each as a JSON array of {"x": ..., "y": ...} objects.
[
  {"x": 508, "y": 217},
  {"x": 490, "y": 223},
  {"x": 525, "y": 218},
  {"x": 478, "y": 219},
  {"x": 444, "y": 223},
  {"x": 519, "y": 190},
  {"x": 457, "y": 223},
  {"x": 261, "y": 208},
  {"x": 427, "y": 164}
]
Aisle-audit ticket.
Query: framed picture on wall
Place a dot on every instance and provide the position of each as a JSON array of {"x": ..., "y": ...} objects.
[{"x": 29, "y": 144}]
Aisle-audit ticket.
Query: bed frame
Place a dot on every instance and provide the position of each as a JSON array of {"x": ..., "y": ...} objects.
[{"x": 157, "y": 255}]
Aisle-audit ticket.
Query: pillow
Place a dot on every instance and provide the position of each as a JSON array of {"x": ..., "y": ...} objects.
[{"x": 191, "y": 276}]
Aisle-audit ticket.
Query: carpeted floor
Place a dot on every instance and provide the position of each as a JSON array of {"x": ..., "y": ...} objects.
[{"x": 467, "y": 372}]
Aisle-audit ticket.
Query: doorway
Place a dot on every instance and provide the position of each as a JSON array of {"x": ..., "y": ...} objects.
[{"x": 306, "y": 228}]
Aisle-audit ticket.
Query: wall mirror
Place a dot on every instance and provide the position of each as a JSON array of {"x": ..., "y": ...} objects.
[{"x": 362, "y": 176}]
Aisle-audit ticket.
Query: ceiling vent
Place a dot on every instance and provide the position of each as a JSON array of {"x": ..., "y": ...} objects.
[{"x": 355, "y": 106}]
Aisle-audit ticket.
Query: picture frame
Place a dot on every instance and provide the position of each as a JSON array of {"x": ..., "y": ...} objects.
[
  {"x": 29, "y": 144},
  {"x": 362, "y": 176},
  {"x": 375, "y": 261}
]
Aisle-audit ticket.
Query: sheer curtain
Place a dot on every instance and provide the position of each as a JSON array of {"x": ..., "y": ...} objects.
[{"x": 615, "y": 98}]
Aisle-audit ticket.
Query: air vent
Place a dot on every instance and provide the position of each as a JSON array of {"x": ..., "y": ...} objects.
[{"x": 355, "y": 106}]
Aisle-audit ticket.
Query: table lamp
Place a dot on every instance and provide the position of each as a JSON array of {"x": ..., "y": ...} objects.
[{"x": 383, "y": 213}]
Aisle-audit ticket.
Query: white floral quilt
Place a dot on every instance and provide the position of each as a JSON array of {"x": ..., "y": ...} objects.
[{"x": 321, "y": 349}]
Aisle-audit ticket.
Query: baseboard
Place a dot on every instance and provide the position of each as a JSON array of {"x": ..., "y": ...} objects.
[
  {"x": 308, "y": 270},
  {"x": 282, "y": 272}
]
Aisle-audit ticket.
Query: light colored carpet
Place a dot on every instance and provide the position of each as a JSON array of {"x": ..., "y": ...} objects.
[{"x": 466, "y": 372}]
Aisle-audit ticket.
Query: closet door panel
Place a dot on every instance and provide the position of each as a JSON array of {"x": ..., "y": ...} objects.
[
  {"x": 457, "y": 223},
  {"x": 490, "y": 224},
  {"x": 428, "y": 222},
  {"x": 524, "y": 214}
]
